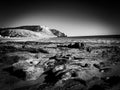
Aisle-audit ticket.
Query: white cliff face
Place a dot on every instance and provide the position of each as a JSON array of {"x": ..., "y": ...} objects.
[
  {"x": 46, "y": 30},
  {"x": 45, "y": 33},
  {"x": 29, "y": 31}
]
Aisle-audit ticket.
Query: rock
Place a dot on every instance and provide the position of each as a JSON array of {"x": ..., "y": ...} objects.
[
  {"x": 52, "y": 77},
  {"x": 42, "y": 66},
  {"x": 96, "y": 66},
  {"x": 19, "y": 73},
  {"x": 30, "y": 31},
  {"x": 58, "y": 33},
  {"x": 74, "y": 45},
  {"x": 32, "y": 28},
  {"x": 59, "y": 67},
  {"x": 24, "y": 70},
  {"x": 74, "y": 84},
  {"x": 88, "y": 49},
  {"x": 18, "y": 33},
  {"x": 77, "y": 45},
  {"x": 97, "y": 87},
  {"x": 112, "y": 81},
  {"x": 105, "y": 70}
]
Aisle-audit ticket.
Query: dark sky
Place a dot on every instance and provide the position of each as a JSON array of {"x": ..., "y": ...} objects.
[{"x": 71, "y": 17}]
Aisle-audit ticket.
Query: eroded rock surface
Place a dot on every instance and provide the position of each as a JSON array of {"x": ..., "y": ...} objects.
[{"x": 59, "y": 66}]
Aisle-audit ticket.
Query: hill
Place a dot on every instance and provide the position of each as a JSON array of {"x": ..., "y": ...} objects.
[{"x": 30, "y": 31}]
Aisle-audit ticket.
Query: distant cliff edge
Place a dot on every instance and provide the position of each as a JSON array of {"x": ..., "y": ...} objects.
[{"x": 30, "y": 31}]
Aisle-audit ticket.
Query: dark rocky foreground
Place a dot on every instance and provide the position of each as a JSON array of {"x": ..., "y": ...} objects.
[{"x": 60, "y": 65}]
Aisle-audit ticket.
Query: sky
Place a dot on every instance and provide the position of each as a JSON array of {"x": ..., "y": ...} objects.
[{"x": 71, "y": 17}]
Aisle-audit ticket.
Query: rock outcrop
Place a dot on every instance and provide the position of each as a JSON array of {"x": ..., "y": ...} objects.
[
  {"x": 18, "y": 33},
  {"x": 35, "y": 65},
  {"x": 58, "y": 33},
  {"x": 30, "y": 31}
]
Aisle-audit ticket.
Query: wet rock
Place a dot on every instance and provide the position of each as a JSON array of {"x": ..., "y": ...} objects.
[
  {"x": 88, "y": 49},
  {"x": 74, "y": 45},
  {"x": 102, "y": 69},
  {"x": 85, "y": 65},
  {"x": 19, "y": 73},
  {"x": 54, "y": 57},
  {"x": 96, "y": 65},
  {"x": 102, "y": 64},
  {"x": 74, "y": 74},
  {"x": 61, "y": 61},
  {"x": 78, "y": 58},
  {"x": 7, "y": 48},
  {"x": 74, "y": 84},
  {"x": 9, "y": 60},
  {"x": 52, "y": 77},
  {"x": 112, "y": 80},
  {"x": 38, "y": 50},
  {"x": 105, "y": 70},
  {"x": 97, "y": 87}
]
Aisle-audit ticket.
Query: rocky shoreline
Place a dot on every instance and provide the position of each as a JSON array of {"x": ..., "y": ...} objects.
[{"x": 55, "y": 66}]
